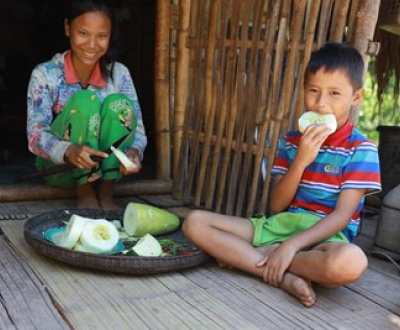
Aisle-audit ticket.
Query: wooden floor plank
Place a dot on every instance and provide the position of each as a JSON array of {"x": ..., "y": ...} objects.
[{"x": 27, "y": 304}]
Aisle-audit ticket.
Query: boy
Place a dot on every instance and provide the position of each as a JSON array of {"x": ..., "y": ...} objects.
[{"x": 320, "y": 179}]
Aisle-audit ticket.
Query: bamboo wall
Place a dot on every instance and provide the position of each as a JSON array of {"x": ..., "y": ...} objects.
[{"x": 231, "y": 81}]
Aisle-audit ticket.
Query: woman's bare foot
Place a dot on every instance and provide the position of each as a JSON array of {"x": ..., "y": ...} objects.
[
  {"x": 86, "y": 197},
  {"x": 300, "y": 288},
  {"x": 105, "y": 196}
]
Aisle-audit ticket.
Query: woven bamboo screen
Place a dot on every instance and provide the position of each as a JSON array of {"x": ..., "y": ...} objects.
[{"x": 235, "y": 86}]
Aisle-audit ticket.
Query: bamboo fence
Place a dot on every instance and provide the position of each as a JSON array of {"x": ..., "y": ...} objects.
[{"x": 233, "y": 87}]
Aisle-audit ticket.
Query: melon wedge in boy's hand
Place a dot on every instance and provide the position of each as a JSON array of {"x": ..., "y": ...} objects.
[
  {"x": 73, "y": 231},
  {"x": 148, "y": 246},
  {"x": 310, "y": 118},
  {"x": 99, "y": 236},
  {"x": 123, "y": 159}
]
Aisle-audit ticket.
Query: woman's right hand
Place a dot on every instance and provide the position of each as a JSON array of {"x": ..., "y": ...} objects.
[{"x": 81, "y": 156}]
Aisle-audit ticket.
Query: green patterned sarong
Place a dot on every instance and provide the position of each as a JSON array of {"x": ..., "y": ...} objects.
[{"x": 86, "y": 121}]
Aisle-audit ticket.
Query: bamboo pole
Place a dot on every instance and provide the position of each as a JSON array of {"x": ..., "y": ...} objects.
[
  {"x": 309, "y": 42},
  {"x": 367, "y": 18},
  {"x": 181, "y": 88},
  {"x": 264, "y": 107},
  {"x": 33, "y": 192},
  {"x": 225, "y": 101},
  {"x": 298, "y": 17},
  {"x": 198, "y": 98},
  {"x": 274, "y": 105},
  {"x": 250, "y": 108},
  {"x": 339, "y": 20},
  {"x": 162, "y": 125},
  {"x": 355, "y": 5},
  {"x": 231, "y": 92},
  {"x": 242, "y": 117},
  {"x": 324, "y": 18},
  {"x": 211, "y": 85}
]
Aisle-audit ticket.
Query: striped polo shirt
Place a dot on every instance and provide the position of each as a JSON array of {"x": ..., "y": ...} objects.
[{"x": 346, "y": 160}]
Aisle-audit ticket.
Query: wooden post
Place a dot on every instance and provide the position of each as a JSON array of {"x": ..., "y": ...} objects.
[
  {"x": 181, "y": 87},
  {"x": 367, "y": 18},
  {"x": 162, "y": 125}
]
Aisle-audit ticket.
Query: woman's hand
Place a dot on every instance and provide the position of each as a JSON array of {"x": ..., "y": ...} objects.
[
  {"x": 81, "y": 156},
  {"x": 133, "y": 155}
]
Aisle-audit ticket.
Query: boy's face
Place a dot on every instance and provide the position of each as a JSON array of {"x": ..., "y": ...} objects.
[{"x": 331, "y": 92}]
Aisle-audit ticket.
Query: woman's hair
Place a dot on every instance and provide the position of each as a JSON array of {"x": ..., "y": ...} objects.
[
  {"x": 338, "y": 56},
  {"x": 75, "y": 8}
]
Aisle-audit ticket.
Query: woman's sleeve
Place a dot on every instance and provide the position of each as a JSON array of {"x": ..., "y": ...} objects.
[
  {"x": 128, "y": 88},
  {"x": 41, "y": 142}
]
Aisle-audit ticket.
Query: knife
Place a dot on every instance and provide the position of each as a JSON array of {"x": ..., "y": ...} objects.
[{"x": 65, "y": 167}]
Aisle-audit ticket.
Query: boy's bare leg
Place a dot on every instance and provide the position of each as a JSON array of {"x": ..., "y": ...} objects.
[
  {"x": 105, "y": 196},
  {"x": 86, "y": 197},
  {"x": 331, "y": 264}
]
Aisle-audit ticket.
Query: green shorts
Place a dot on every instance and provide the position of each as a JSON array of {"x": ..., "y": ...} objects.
[{"x": 283, "y": 226}]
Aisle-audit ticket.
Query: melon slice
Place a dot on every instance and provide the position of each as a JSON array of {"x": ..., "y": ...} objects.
[
  {"x": 310, "y": 118},
  {"x": 148, "y": 246}
]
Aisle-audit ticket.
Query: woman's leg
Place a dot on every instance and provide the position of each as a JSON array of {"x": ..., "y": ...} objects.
[
  {"x": 79, "y": 123},
  {"x": 117, "y": 120}
]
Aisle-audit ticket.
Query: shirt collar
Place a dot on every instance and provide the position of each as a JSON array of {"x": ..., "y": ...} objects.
[
  {"x": 96, "y": 79},
  {"x": 340, "y": 135}
]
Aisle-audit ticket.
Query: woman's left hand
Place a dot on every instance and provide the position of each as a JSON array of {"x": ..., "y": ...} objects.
[{"x": 133, "y": 155}]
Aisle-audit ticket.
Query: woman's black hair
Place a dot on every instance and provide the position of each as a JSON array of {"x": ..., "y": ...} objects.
[
  {"x": 77, "y": 8},
  {"x": 338, "y": 56}
]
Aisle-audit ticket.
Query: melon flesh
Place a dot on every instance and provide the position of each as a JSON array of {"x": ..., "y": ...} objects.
[
  {"x": 310, "y": 118},
  {"x": 148, "y": 246}
]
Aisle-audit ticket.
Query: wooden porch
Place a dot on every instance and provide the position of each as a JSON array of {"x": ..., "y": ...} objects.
[{"x": 39, "y": 293}]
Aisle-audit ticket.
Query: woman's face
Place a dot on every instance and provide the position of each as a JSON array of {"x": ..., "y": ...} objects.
[{"x": 89, "y": 36}]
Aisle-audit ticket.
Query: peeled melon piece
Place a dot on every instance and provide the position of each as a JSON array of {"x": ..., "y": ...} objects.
[
  {"x": 73, "y": 231},
  {"x": 148, "y": 246},
  {"x": 309, "y": 118},
  {"x": 140, "y": 219},
  {"x": 99, "y": 236},
  {"x": 124, "y": 159}
]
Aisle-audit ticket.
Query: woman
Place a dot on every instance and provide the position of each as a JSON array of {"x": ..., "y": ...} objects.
[{"x": 80, "y": 103}]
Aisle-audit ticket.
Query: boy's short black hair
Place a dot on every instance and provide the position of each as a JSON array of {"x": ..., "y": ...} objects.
[{"x": 337, "y": 56}]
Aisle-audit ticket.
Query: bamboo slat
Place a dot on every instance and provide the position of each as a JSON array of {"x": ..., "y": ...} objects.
[
  {"x": 162, "y": 125},
  {"x": 182, "y": 87},
  {"x": 339, "y": 20}
]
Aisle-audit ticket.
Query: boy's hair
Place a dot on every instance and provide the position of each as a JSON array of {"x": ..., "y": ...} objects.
[
  {"x": 75, "y": 8},
  {"x": 336, "y": 56}
]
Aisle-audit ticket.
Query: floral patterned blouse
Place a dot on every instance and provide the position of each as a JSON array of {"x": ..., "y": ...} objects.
[{"x": 47, "y": 93}]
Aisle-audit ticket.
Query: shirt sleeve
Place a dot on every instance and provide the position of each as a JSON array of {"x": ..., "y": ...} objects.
[
  {"x": 128, "y": 88},
  {"x": 281, "y": 162},
  {"x": 363, "y": 170},
  {"x": 41, "y": 142}
]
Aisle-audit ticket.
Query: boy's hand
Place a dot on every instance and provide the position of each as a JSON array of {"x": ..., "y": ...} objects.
[
  {"x": 276, "y": 263},
  {"x": 311, "y": 142}
]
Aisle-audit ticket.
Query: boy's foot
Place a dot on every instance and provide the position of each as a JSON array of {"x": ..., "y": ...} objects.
[
  {"x": 109, "y": 205},
  {"x": 300, "y": 288}
]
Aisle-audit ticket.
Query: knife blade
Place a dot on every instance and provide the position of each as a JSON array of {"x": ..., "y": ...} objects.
[{"x": 65, "y": 167}]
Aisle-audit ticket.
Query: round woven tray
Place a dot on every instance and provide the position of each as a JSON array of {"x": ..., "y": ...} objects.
[{"x": 36, "y": 226}]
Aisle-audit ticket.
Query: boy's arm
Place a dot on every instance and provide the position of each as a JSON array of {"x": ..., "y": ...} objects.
[
  {"x": 285, "y": 186},
  {"x": 280, "y": 259}
]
